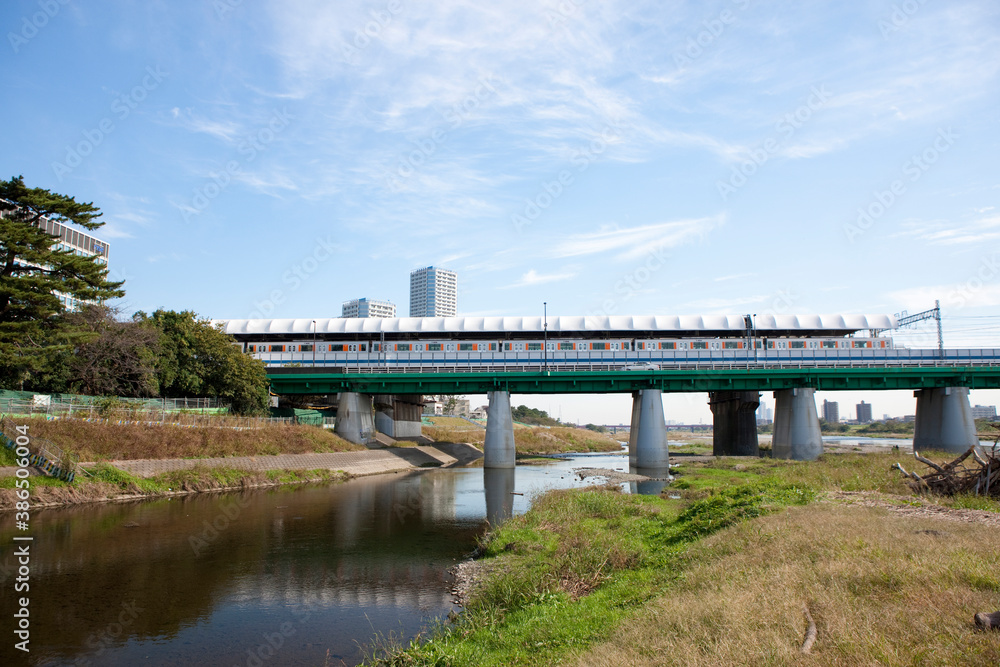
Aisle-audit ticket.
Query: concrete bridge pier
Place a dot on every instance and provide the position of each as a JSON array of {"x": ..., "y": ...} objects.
[
  {"x": 498, "y": 449},
  {"x": 633, "y": 429},
  {"x": 499, "y": 486},
  {"x": 354, "y": 418},
  {"x": 399, "y": 415},
  {"x": 944, "y": 420},
  {"x": 648, "y": 438},
  {"x": 796, "y": 425},
  {"x": 734, "y": 422}
]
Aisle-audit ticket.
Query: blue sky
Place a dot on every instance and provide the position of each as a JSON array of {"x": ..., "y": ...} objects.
[{"x": 278, "y": 158}]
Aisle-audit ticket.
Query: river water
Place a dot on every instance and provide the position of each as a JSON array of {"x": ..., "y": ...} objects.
[{"x": 291, "y": 576}]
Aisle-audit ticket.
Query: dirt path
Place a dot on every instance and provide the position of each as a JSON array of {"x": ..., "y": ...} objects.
[{"x": 914, "y": 506}]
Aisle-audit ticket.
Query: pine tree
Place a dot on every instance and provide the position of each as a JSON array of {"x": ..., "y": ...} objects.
[{"x": 33, "y": 271}]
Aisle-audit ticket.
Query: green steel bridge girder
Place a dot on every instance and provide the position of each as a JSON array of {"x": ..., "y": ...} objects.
[{"x": 309, "y": 381}]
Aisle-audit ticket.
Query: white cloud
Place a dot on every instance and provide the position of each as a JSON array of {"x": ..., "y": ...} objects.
[
  {"x": 634, "y": 242},
  {"x": 532, "y": 277}
]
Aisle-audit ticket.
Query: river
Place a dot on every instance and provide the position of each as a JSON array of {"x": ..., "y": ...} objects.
[{"x": 287, "y": 576}]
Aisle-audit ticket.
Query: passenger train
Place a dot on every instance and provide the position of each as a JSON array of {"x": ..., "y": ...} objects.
[{"x": 441, "y": 344}]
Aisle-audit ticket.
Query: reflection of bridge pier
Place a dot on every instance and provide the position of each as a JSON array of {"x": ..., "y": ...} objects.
[{"x": 499, "y": 486}]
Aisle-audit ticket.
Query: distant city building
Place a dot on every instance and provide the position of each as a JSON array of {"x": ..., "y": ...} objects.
[
  {"x": 831, "y": 412},
  {"x": 368, "y": 308},
  {"x": 77, "y": 242},
  {"x": 765, "y": 415},
  {"x": 433, "y": 292},
  {"x": 864, "y": 412},
  {"x": 984, "y": 412}
]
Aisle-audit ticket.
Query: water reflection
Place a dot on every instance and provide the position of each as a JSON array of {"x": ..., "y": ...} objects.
[
  {"x": 499, "y": 488},
  {"x": 209, "y": 579},
  {"x": 650, "y": 487}
]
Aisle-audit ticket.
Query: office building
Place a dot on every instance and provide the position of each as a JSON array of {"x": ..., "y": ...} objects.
[
  {"x": 77, "y": 242},
  {"x": 864, "y": 413},
  {"x": 367, "y": 308},
  {"x": 984, "y": 412},
  {"x": 831, "y": 412},
  {"x": 433, "y": 292}
]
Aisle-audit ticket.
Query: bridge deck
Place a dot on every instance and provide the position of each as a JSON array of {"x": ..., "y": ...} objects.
[{"x": 734, "y": 377}]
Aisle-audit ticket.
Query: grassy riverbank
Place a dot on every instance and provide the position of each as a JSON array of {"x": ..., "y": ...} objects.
[
  {"x": 106, "y": 482},
  {"x": 529, "y": 440},
  {"x": 720, "y": 575},
  {"x": 104, "y": 441}
]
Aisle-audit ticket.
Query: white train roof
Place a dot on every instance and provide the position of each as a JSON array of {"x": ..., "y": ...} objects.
[{"x": 575, "y": 324}]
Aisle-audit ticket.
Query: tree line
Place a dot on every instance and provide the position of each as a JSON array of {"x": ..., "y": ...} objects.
[{"x": 59, "y": 333}]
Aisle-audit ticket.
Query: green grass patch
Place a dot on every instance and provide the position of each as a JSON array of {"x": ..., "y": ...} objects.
[{"x": 577, "y": 564}]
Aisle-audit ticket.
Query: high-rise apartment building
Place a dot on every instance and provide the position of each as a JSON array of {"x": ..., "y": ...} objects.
[
  {"x": 367, "y": 308},
  {"x": 80, "y": 243},
  {"x": 831, "y": 412},
  {"x": 864, "y": 412},
  {"x": 433, "y": 292},
  {"x": 984, "y": 412}
]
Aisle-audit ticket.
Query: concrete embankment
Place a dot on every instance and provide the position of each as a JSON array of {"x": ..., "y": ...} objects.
[
  {"x": 243, "y": 472},
  {"x": 370, "y": 462}
]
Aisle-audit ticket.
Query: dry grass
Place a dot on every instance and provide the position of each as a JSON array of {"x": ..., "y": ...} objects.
[
  {"x": 99, "y": 442},
  {"x": 883, "y": 590},
  {"x": 536, "y": 440}
]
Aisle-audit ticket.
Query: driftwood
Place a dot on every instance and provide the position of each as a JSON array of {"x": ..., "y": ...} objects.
[
  {"x": 811, "y": 630},
  {"x": 988, "y": 621},
  {"x": 976, "y": 472}
]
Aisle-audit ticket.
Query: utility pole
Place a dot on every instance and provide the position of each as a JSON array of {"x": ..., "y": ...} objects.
[
  {"x": 545, "y": 334},
  {"x": 314, "y": 343}
]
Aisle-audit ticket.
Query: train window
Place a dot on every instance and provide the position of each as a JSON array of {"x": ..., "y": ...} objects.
[
  {"x": 731, "y": 345},
  {"x": 507, "y": 346},
  {"x": 363, "y": 347},
  {"x": 277, "y": 348},
  {"x": 796, "y": 344},
  {"x": 829, "y": 343},
  {"x": 600, "y": 346},
  {"x": 699, "y": 345},
  {"x": 464, "y": 347},
  {"x": 403, "y": 347},
  {"x": 433, "y": 347},
  {"x": 534, "y": 346},
  {"x": 493, "y": 347},
  {"x": 306, "y": 348},
  {"x": 451, "y": 347},
  {"x": 566, "y": 346}
]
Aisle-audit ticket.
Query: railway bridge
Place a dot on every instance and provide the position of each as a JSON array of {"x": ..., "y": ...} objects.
[
  {"x": 388, "y": 364},
  {"x": 941, "y": 387}
]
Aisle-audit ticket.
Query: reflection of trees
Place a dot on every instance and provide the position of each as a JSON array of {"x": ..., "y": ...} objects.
[{"x": 367, "y": 542}]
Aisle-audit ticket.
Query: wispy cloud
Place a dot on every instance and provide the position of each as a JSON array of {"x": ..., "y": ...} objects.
[
  {"x": 532, "y": 277},
  {"x": 635, "y": 242}
]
